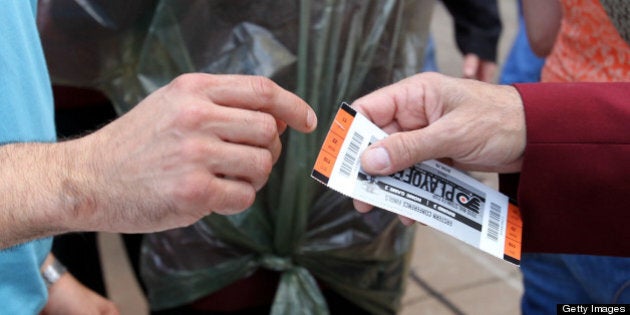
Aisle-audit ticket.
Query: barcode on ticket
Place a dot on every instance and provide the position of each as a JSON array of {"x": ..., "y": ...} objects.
[
  {"x": 494, "y": 223},
  {"x": 351, "y": 155}
]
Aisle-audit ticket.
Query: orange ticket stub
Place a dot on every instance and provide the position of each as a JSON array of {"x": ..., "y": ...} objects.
[{"x": 430, "y": 192}]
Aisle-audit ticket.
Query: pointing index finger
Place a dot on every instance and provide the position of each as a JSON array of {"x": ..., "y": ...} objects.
[{"x": 262, "y": 94}]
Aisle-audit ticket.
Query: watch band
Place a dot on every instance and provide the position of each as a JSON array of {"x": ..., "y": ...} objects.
[{"x": 53, "y": 272}]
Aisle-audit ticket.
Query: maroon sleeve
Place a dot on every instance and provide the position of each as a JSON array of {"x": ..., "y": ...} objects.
[{"x": 574, "y": 187}]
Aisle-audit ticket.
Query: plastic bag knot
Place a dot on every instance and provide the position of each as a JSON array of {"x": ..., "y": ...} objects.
[{"x": 276, "y": 263}]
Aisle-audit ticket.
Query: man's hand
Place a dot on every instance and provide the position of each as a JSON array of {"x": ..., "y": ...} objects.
[
  {"x": 478, "y": 126},
  {"x": 474, "y": 125},
  {"x": 202, "y": 144}
]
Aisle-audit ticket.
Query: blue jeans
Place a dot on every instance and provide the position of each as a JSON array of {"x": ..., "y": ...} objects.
[{"x": 551, "y": 279}]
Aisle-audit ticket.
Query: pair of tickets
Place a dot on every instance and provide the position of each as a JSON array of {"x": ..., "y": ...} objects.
[{"x": 430, "y": 192}]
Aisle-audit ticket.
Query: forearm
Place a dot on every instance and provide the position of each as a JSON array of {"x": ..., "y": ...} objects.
[
  {"x": 575, "y": 168},
  {"x": 202, "y": 144},
  {"x": 36, "y": 187},
  {"x": 542, "y": 21}
]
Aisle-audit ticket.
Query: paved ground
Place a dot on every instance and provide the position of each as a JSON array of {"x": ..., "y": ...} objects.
[{"x": 447, "y": 276}]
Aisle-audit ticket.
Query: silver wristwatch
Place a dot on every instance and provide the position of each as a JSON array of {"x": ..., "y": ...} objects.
[{"x": 53, "y": 272}]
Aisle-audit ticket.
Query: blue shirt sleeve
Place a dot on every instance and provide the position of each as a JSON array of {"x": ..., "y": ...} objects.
[{"x": 26, "y": 114}]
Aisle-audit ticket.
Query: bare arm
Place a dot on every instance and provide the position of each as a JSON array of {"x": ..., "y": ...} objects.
[
  {"x": 542, "y": 20},
  {"x": 202, "y": 144},
  {"x": 31, "y": 184}
]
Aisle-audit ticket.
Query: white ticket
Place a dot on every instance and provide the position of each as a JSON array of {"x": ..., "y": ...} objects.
[{"x": 431, "y": 192}]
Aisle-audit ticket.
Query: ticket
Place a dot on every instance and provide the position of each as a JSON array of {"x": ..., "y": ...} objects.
[{"x": 430, "y": 192}]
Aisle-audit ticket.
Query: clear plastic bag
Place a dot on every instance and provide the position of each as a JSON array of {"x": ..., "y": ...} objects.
[{"x": 326, "y": 51}]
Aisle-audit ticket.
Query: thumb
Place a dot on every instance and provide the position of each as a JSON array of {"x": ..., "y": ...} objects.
[{"x": 399, "y": 151}]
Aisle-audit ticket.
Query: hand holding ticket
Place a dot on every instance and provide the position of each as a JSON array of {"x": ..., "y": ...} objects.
[
  {"x": 478, "y": 126},
  {"x": 430, "y": 192}
]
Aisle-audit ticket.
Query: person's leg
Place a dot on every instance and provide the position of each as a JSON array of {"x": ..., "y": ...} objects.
[
  {"x": 605, "y": 279},
  {"x": 551, "y": 279},
  {"x": 547, "y": 281}
]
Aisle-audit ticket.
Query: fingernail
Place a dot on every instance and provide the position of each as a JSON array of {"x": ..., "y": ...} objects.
[
  {"x": 376, "y": 159},
  {"x": 311, "y": 120}
]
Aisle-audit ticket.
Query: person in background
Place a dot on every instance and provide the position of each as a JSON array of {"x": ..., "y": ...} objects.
[
  {"x": 66, "y": 295},
  {"x": 562, "y": 190},
  {"x": 477, "y": 29},
  {"x": 582, "y": 41}
]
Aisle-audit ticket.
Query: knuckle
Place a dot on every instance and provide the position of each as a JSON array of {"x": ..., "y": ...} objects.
[
  {"x": 193, "y": 150},
  {"x": 264, "y": 88},
  {"x": 192, "y": 189},
  {"x": 243, "y": 200},
  {"x": 276, "y": 150},
  {"x": 265, "y": 164},
  {"x": 224, "y": 202},
  {"x": 187, "y": 81},
  {"x": 192, "y": 116},
  {"x": 193, "y": 82},
  {"x": 268, "y": 129},
  {"x": 259, "y": 165},
  {"x": 218, "y": 200},
  {"x": 404, "y": 149}
]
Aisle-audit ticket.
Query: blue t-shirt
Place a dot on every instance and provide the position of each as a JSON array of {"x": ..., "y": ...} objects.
[{"x": 26, "y": 114}]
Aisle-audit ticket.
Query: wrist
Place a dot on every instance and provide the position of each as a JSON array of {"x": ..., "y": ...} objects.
[
  {"x": 76, "y": 199},
  {"x": 52, "y": 270}
]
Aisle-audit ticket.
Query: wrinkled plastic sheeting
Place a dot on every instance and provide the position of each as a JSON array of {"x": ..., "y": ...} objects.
[{"x": 326, "y": 51}]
